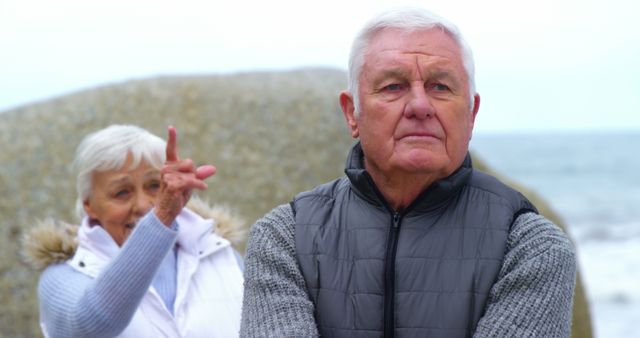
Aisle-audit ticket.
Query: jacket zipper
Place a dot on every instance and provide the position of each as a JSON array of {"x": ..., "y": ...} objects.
[{"x": 389, "y": 278}]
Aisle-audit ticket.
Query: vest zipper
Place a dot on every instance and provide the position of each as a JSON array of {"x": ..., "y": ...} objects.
[{"x": 389, "y": 278}]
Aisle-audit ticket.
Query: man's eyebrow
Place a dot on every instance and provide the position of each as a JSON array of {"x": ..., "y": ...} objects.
[
  {"x": 440, "y": 74},
  {"x": 394, "y": 73}
]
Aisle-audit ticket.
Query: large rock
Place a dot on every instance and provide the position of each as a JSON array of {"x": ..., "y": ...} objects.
[{"x": 270, "y": 135}]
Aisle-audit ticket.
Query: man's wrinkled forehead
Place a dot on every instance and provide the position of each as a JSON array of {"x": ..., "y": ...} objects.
[
  {"x": 430, "y": 43},
  {"x": 390, "y": 49}
]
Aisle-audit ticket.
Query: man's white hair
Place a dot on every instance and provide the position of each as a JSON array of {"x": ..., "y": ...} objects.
[
  {"x": 407, "y": 19},
  {"x": 107, "y": 149}
]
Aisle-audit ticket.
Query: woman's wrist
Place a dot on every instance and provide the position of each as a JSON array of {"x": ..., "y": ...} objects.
[{"x": 166, "y": 218}]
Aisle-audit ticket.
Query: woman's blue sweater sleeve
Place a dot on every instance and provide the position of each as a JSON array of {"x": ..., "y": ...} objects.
[{"x": 73, "y": 304}]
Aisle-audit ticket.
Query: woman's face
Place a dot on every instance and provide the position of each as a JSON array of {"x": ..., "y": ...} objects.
[{"x": 119, "y": 198}]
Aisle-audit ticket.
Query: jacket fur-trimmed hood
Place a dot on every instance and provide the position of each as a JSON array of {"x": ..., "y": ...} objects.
[{"x": 51, "y": 241}]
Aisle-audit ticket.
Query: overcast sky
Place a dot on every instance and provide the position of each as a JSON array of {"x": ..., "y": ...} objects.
[{"x": 541, "y": 65}]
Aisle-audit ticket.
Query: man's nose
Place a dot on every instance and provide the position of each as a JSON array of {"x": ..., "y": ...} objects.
[{"x": 419, "y": 104}]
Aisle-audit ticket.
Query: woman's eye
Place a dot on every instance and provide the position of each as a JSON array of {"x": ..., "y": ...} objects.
[
  {"x": 121, "y": 193},
  {"x": 153, "y": 186}
]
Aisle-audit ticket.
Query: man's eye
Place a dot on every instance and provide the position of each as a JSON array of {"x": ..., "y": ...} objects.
[
  {"x": 439, "y": 87},
  {"x": 393, "y": 87}
]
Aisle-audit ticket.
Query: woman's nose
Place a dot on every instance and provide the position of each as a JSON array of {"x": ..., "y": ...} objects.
[{"x": 143, "y": 203}]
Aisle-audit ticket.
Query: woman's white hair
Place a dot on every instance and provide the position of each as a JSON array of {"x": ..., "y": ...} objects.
[
  {"x": 107, "y": 149},
  {"x": 407, "y": 19}
]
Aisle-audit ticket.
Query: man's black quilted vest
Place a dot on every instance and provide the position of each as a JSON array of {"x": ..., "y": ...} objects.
[{"x": 425, "y": 271}]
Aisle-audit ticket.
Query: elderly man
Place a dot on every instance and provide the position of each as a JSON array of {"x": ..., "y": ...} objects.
[{"x": 412, "y": 242}]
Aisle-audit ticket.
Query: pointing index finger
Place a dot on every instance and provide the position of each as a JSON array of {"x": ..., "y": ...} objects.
[{"x": 172, "y": 144}]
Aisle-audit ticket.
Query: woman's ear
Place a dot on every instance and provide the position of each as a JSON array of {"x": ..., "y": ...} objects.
[
  {"x": 349, "y": 111},
  {"x": 86, "y": 205}
]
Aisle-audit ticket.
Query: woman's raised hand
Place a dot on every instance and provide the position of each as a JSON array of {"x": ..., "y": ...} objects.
[{"x": 178, "y": 177}]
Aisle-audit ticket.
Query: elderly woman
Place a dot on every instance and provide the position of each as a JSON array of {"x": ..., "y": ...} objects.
[{"x": 144, "y": 265}]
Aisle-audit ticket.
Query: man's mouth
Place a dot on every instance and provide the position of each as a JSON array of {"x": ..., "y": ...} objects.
[{"x": 419, "y": 135}]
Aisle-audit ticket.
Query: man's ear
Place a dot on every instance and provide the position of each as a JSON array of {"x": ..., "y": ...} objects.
[
  {"x": 474, "y": 112},
  {"x": 349, "y": 110},
  {"x": 476, "y": 105}
]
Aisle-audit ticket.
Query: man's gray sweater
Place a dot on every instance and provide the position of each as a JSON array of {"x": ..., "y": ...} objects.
[{"x": 532, "y": 296}]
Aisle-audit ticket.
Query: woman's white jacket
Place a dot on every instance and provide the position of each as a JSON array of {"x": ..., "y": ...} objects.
[{"x": 209, "y": 282}]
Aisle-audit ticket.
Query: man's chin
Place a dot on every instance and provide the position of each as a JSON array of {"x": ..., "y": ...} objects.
[{"x": 423, "y": 159}]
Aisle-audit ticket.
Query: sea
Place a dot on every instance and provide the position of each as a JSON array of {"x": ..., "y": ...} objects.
[{"x": 592, "y": 180}]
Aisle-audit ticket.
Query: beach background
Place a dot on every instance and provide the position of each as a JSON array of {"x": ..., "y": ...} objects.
[{"x": 592, "y": 179}]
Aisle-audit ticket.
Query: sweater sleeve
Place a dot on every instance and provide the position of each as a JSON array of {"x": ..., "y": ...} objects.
[
  {"x": 533, "y": 295},
  {"x": 276, "y": 302},
  {"x": 73, "y": 304}
]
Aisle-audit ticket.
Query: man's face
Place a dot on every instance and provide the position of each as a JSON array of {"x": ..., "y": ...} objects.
[{"x": 416, "y": 115}]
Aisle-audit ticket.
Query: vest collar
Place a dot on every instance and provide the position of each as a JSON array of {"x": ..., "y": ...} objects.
[{"x": 431, "y": 198}]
